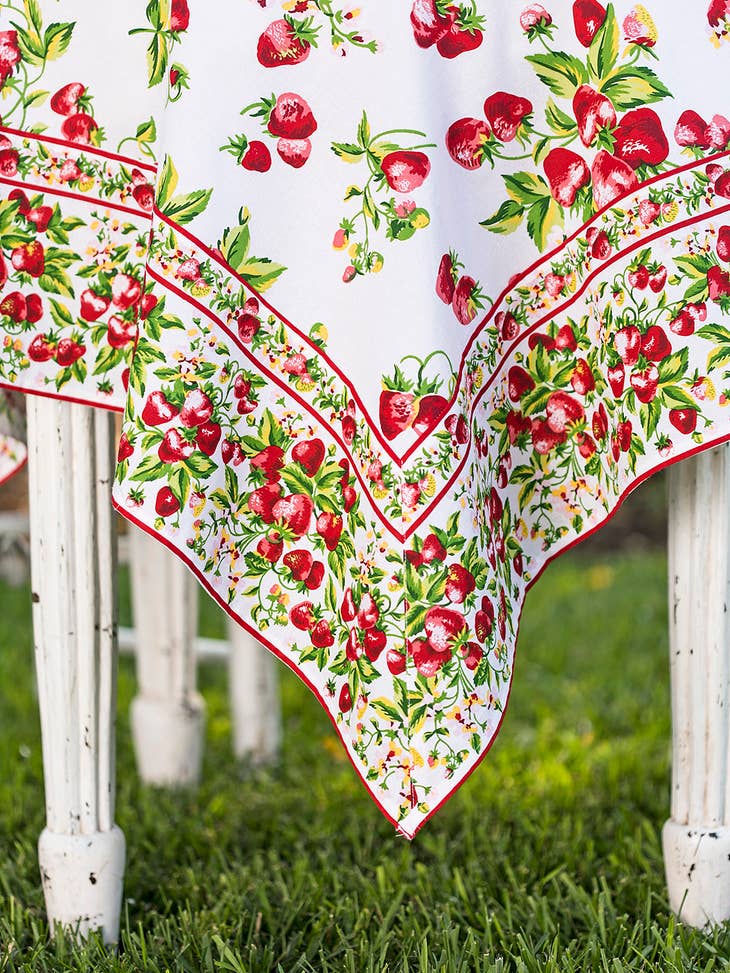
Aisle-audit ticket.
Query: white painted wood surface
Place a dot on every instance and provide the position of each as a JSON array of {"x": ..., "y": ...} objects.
[
  {"x": 253, "y": 683},
  {"x": 168, "y": 714},
  {"x": 696, "y": 838},
  {"x": 81, "y": 851}
]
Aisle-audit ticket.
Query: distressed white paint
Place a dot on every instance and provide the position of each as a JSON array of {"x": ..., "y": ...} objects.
[
  {"x": 254, "y": 692},
  {"x": 81, "y": 852},
  {"x": 697, "y": 836},
  {"x": 168, "y": 715}
]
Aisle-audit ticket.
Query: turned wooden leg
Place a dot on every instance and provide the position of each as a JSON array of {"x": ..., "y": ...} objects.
[
  {"x": 73, "y": 553},
  {"x": 168, "y": 715},
  {"x": 254, "y": 692},
  {"x": 697, "y": 836}
]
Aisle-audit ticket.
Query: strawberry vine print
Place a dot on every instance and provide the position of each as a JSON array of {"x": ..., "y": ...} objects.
[
  {"x": 391, "y": 166},
  {"x": 168, "y": 20},
  {"x": 453, "y": 28},
  {"x": 290, "y": 39},
  {"x": 602, "y": 139},
  {"x": 458, "y": 290},
  {"x": 286, "y": 118}
]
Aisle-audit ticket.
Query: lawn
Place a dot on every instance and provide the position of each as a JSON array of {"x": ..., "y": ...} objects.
[{"x": 549, "y": 857}]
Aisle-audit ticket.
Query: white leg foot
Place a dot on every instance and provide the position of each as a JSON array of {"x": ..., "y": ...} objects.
[
  {"x": 254, "y": 692},
  {"x": 168, "y": 715},
  {"x": 696, "y": 838},
  {"x": 73, "y": 554}
]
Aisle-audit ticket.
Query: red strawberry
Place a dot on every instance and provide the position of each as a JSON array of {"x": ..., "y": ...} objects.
[
  {"x": 582, "y": 378},
  {"x": 262, "y": 500},
  {"x": 627, "y": 342},
  {"x": 310, "y": 454},
  {"x": 231, "y": 453},
  {"x": 505, "y": 113},
  {"x": 563, "y": 410},
  {"x": 69, "y": 171},
  {"x": 299, "y": 562},
  {"x": 586, "y": 447},
  {"x": 397, "y": 412},
  {"x": 616, "y": 378},
  {"x": 612, "y": 178},
  {"x": 691, "y": 129},
  {"x": 40, "y": 349},
  {"x": 648, "y": 211},
  {"x": 166, "y": 503},
  {"x": 443, "y": 627},
  {"x": 623, "y": 433},
  {"x": 427, "y": 660},
  {"x": 507, "y": 325},
  {"x": 657, "y": 279},
  {"x": 316, "y": 576},
  {"x": 33, "y": 308},
  {"x": 723, "y": 243},
  {"x": 465, "y": 301},
  {"x": 684, "y": 420},
  {"x": 301, "y": 616},
  {"x": 718, "y": 282},
  {"x": 126, "y": 291},
  {"x": 68, "y": 352},
  {"x": 429, "y": 23},
  {"x": 197, "y": 408},
  {"x": 459, "y": 39},
  {"x": 40, "y": 216},
  {"x": 368, "y": 613},
  {"x": 174, "y": 448},
  {"x": 545, "y": 439},
  {"x": 353, "y": 646},
  {"x": 565, "y": 339},
  {"x": 722, "y": 184},
  {"x": 269, "y": 460},
  {"x": 8, "y": 161},
  {"x": 348, "y": 610},
  {"x": 92, "y": 305},
  {"x": 63, "y": 102},
  {"x": 374, "y": 641},
  {"x": 433, "y": 550},
  {"x": 208, "y": 437},
  {"x": 718, "y": 13},
  {"x": 445, "y": 279},
  {"x": 294, "y": 152},
  {"x": 567, "y": 173},
  {"x": 271, "y": 547},
  {"x": 14, "y": 306},
  {"x": 457, "y": 426},
  {"x": 29, "y": 257},
  {"x": 472, "y": 654},
  {"x": 431, "y": 409},
  {"x": 645, "y": 383},
  {"x": 329, "y": 528},
  {"x": 405, "y": 171},
  {"x": 179, "y": 15},
  {"x": 600, "y": 244},
  {"x": 79, "y": 127},
  {"x": 345, "y": 700},
  {"x": 588, "y": 17},
  {"x": 295, "y": 512},
  {"x": 248, "y": 326},
  {"x": 125, "y": 448},
  {"x": 593, "y": 111},
  {"x": 285, "y": 42},
  {"x": 120, "y": 332},
  {"x": 23, "y": 203},
  {"x": 465, "y": 140},
  {"x": 459, "y": 583},
  {"x": 640, "y": 139},
  {"x": 257, "y": 157},
  {"x": 519, "y": 383},
  {"x": 639, "y": 278},
  {"x": 396, "y": 662},
  {"x": 483, "y": 622},
  {"x": 321, "y": 635},
  {"x": 600, "y": 422},
  {"x": 291, "y": 117},
  {"x": 517, "y": 424},
  {"x": 144, "y": 196},
  {"x": 554, "y": 284},
  {"x": 157, "y": 410}
]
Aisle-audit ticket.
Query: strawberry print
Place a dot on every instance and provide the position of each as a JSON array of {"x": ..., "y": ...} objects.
[
  {"x": 453, "y": 28},
  {"x": 286, "y": 118}
]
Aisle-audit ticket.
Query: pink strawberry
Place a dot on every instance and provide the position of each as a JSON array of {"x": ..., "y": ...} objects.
[
  {"x": 566, "y": 172},
  {"x": 92, "y": 305},
  {"x": 554, "y": 284},
  {"x": 588, "y": 18},
  {"x": 519, "y": 383},
  {"x": 294, "y": 152},
  {"x": 638, "y": 278},
  {"x": 640, "y": 139},
  {"x": 648, "y": 211},
  {"x": 291, "y": 117},
  {"x": 683, "y": 420},
  {"x": 257, "y": 157},
  {"x": 627, "y": 342},
  {"x": 505, "y": 113},
  {"x": 645, "y": 383},
  {"x": 64, "y": 101},
  {"x": 535, "y": 16},
  {"x": 612, "y": 178},
  {"x": 593, "y": 111},
  {"x": 429, "y": 23},
  {"x": 405, "y": 171},
  {"x": 166, "y": 503},
  {"x": 443, "y": 627},
  {"x": 285, "y": 42},
  {"x": 396, "y": 413},
  {"x": 465, "y": 140},
  {"x": 295, "y": 512},
  {"x": 310, "y": 454},
  {"x": 197, "y": 408},
  {"x": 465, "y": 301},
  {"x": 126, "y": 291},
  {"x": 157, "y": 410},
  {"x": 563, "y": 410}
]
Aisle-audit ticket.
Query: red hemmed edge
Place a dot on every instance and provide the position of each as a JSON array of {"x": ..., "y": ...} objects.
[
  {"x": 16, "y": 469},
  {"x": 399, "y": 826},
  {"x": 78, "y": 147}
]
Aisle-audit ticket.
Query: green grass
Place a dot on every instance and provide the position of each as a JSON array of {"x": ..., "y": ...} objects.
[{"x": 548, "y": 858}]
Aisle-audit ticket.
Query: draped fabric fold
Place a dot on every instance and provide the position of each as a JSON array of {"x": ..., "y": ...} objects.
[{"x": 399, "y": 303}]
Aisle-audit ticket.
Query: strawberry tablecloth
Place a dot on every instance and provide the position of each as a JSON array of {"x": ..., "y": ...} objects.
[{"x": 399, "y": 303}]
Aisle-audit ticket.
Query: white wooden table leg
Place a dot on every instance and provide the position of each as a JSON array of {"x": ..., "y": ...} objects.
[
  {"x": 81, "y": 850},
  {"x": 168, "y": 715},
  {"x": 697, "y": 836},
  {"x": 254, "y": 692}
]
